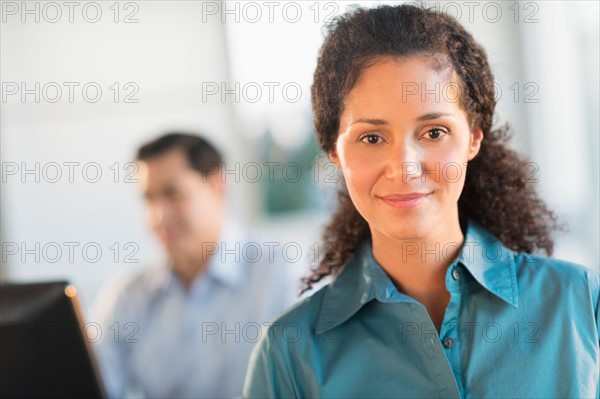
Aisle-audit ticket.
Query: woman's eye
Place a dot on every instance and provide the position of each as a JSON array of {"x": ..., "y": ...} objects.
[
  {"x": 371, "y": 139},
  {"x": 435, "y": 134}
]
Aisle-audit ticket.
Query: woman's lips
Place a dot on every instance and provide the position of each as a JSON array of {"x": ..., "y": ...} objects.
[{"x": 409, "y": 200}]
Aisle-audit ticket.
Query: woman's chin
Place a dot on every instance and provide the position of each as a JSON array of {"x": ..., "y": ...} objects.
[{"x": 404, "y": 230}]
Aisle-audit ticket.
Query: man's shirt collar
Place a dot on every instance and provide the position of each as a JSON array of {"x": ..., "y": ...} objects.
[
  {"x": 226, "y": 264},
  {"x": 490, "y": 263}
]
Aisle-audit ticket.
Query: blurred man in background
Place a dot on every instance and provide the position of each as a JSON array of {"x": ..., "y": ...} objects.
[{"x": 186, "y": 329}]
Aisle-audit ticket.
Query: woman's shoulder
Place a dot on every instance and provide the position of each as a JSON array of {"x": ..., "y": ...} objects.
[
  {"x": 555, "y": 271},
  {"x": 273, "y": 369},
  {"x": 540, "y": 263},
  {"x": 303, "y": 313},
  {"x": 294, "y": 325}
]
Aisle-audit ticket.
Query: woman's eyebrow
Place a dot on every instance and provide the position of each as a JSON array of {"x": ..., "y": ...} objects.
[
  {"x": 433, "y": 115},
  {"x": 425, "y": 117},
  {"x": 370, "y": 121}
]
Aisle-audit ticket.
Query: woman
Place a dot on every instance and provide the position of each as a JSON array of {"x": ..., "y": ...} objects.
[{"x": 437, "y": 290}]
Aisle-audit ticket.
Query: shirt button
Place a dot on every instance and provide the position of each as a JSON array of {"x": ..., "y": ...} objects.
[
  {"x": 455, "y": 274},
  {"x": 448, "y": 342}
]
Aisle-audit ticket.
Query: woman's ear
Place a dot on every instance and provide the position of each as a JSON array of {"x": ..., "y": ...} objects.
[
  {"x": 333, "y": 157},
  {"x": 475, "y": 142}
]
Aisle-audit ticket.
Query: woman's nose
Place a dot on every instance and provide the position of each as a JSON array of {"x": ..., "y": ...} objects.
[{"x": 403, "y": 163}]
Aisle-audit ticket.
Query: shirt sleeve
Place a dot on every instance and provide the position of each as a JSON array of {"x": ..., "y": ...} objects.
[
  {"x": 596, "y": 296},
  {"x": 267, "y": 375},
  {"x": 594, "y": 282}
]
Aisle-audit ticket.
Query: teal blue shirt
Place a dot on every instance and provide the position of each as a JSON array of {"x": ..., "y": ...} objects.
[{"x": 516, "y": 326}]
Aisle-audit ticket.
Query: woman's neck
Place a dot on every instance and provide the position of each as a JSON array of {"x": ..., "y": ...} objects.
[{"x": 418, "y": 266}]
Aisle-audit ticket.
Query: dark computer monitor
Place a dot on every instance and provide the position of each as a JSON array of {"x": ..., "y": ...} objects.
[{"x": 45, "y": 349}]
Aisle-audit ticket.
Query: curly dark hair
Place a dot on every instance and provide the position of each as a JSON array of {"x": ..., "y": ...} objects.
[{"x": 498, "y": 192}]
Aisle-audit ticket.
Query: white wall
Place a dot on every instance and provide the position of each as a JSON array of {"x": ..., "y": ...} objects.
[
  {"x": 168, "y": 54},
  {"x": 562, "y": 52}
]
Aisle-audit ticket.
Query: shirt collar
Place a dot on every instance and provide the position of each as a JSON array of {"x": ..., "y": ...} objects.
[
  {"x": 226, "y": 265},
  {"x": 490, "y": 263},
  {"x": 363, "y": 279}
]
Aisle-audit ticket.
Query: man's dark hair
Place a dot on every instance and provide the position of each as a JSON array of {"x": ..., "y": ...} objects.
[{"x": 201, "y": 155}]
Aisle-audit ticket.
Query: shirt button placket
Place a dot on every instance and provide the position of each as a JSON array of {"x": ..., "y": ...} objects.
[{"x": 449, "y": 338}]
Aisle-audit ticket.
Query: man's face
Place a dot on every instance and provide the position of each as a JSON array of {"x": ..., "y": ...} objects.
[{"x": 184, "y": 207}]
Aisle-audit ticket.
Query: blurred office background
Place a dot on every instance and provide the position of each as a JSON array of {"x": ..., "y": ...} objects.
[{"x": 169, "y": 62}]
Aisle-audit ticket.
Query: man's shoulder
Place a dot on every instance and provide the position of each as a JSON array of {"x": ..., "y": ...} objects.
[
  {"x": 272, "y": 260},
  {"x": 130, "y": 289},
  {"x": 134, "y": 281}
]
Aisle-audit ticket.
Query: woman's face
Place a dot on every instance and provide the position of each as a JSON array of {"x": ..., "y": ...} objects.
[{"x": 403, "y": 146}]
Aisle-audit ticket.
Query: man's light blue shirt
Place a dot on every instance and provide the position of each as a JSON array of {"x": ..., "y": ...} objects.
[
  {"x": 158, "y": 341},
  {"x": 516, "y": 326}
]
